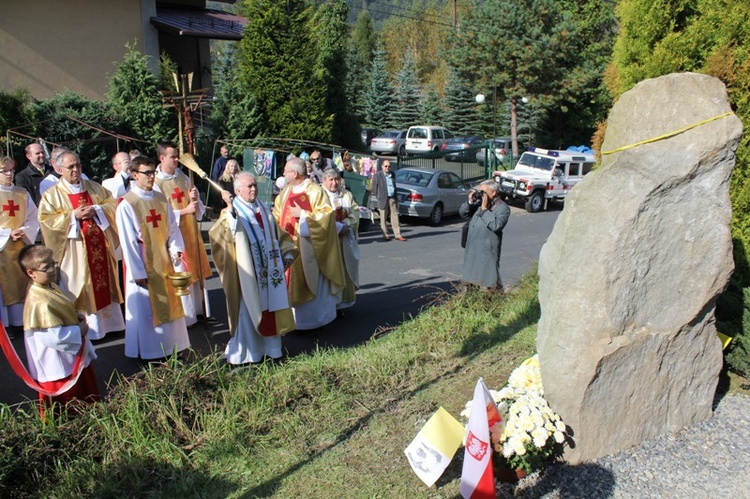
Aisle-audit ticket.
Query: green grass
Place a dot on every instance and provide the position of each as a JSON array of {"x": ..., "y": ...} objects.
[{"x": 333, "y": 423}]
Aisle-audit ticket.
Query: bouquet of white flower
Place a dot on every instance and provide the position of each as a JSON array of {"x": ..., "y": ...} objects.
[{"x": 529, "y": 430}]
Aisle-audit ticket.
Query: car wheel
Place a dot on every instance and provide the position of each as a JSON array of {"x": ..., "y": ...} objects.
[
  {"x": 535, "y": 202},
  {"x": 402, "y": 151},
  {"x": 437, "y": 215}
]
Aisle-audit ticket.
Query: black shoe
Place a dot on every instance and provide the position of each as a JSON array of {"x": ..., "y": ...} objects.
[{"x": 207, "y": 320}]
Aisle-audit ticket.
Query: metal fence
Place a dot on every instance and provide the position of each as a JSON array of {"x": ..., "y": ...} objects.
[{"x": 464, "y": 164}]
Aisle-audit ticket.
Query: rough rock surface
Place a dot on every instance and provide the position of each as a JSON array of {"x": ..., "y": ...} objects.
[{"x": 629, "y": 276}]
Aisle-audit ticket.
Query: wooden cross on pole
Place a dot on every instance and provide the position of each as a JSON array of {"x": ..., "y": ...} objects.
[{"x": 185, "y": 101}]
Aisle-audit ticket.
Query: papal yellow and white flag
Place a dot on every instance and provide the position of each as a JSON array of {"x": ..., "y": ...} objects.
[{"x": 433, "y": 448}]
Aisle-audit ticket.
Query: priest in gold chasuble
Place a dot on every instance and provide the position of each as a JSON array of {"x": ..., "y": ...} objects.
[
  {"x": 303, "y": 211},
  {"x": 77, "y": 218}
]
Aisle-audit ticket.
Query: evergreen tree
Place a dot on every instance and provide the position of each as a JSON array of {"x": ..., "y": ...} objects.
[
  {"x": 516, "y": 48},
  {"x": 379, "y": 96},
  {"x": 135, "y": 96},
  {"x": 406, "y": 112},
  {"x": 430, "y": 111},
  {"x": 357, "y": 81},
  {"x": 364, "y": 39},
  {"x": 330, "y": 32},
  {"x": 235, "y": 114},
  {"x": 277, "y": 60},
  {"x": 461, "y": 115}
]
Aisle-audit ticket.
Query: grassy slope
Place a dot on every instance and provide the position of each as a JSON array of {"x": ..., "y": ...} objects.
[{"x": 331, "y": 424}]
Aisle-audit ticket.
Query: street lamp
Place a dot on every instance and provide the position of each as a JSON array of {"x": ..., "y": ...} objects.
[
  {"x": 489, "y": 163},
  {"x": 514, "y": 122}
]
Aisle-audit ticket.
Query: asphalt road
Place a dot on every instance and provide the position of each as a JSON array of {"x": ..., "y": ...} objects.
[{"x": 397, "y": 280}]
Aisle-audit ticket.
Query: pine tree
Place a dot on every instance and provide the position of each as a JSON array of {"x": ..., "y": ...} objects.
[
  {"x": 379, "y": 96},
  {"x": 235, "y": 114},
  {"x": 406, "y": 112},
  {"x": 135, "y": 96},
  {"x": 277, "y": 60},
  {"x": 430, "y": 111},
  {"x": 461, "y": 115}
]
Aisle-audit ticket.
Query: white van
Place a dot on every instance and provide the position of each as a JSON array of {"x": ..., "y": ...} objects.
[
  {"x": 541, "y": 175},
  {"x": 424, "y": 138}
]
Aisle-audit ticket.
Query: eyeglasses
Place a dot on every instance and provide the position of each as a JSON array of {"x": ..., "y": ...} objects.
[
  {"x": 7, "y": 172},
  {"x": 386, "y": 166},
  {"x": 74, "y": 166},
  {"x": 148, "y": 173},
  {"x": 47, "y": 270}
]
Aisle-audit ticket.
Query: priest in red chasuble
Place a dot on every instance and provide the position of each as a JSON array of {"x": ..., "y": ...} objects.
[
  {"x": 188, "y": 209},
  {"x": 251, "y": 254},
  {"x": 303, "y": 211},
  {"x": 77, "y": 218}
]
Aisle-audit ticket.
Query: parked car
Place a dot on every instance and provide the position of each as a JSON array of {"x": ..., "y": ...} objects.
[
  {"x": 391, "y": 142},
  {"x": 428, "y": 193},
  {"x": 503, "y": 149},
  {"x": 461, "y": 148},
  {"x": 424, "y": 139},
  {"x": 368, "y": 134}
]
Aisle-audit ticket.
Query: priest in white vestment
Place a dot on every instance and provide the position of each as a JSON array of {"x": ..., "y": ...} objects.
[
  {"x": 303, "y": 211},
  {"x": 151, "y": 243},
  {"x": 347, "y": 227},
  {"x": 77, "y": 221},
  {"x": 188, "y": 209},
  {"x": 19, "y": 226},
  {"x": 251, "y": 255}
]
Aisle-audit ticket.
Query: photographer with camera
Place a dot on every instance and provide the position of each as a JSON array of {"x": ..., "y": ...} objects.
[{"x": 484, "y": 237}]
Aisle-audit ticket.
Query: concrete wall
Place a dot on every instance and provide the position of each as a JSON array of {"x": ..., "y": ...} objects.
[{"x": 48, "y": 46}]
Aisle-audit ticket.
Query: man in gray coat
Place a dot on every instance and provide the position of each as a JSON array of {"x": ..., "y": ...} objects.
[
  {"x": 485, "y": 237},
  {"x": 384, "y": 190}
]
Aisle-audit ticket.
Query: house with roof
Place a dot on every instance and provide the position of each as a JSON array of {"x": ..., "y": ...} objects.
[{"x": 49, "y": 46}]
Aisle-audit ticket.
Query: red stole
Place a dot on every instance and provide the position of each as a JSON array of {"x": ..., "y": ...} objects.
[
  {"x": 96, "y": 252},
  {"x": 341, "y": 214},
  {"x": 288, "y": 222}
]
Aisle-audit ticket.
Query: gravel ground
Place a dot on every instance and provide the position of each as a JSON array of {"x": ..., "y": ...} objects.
[{"x": 710, "y": 459}]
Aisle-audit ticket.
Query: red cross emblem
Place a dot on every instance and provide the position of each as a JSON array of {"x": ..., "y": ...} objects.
[
  {"x": 178, "y": 195},
  {"x": 11, "y": 207},
  {"x": 153, "y": 218}
]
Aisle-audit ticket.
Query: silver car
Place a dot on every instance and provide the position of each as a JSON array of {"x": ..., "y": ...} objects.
[
  {"x": 391, "y": 142},
  {"x": 428, "y": 193}
]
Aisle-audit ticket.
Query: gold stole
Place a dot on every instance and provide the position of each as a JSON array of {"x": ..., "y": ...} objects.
[
  {"x": 48, "y": 306},
  {"x": 176, "y": 192},
  {"x": 14, "y": 282},
  {"x": 154, "y": 223}
]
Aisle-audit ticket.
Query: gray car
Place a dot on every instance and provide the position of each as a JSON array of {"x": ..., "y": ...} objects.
[
  {"x": 391, "y": 142},
  {"x": 428, "y": 193}
]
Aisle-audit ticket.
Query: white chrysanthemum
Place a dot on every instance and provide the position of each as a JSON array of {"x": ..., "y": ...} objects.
[
  {"x": 560, "y": 426},
  {"x": 540, "y": 438},
  {"x": 507, "y": 450},
  {"x": 559, "y": 437},
  {"x": 519, "y": 448}
]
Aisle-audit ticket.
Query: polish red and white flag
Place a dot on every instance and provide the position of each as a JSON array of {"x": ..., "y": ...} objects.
[{"x": 477, "y": 477}]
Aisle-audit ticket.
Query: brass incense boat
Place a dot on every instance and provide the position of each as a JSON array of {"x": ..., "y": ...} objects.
[{"x": 181, "y": 282}]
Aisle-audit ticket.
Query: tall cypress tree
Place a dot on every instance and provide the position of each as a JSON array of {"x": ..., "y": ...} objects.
[
  {"x": 379, "y": 96},
  {"x": 330, "y": 32},
  {"x": 406, "y": 112},
  {"x": 277, "y": 59}
]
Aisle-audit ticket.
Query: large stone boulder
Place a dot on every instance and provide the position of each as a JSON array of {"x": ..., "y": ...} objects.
[{"x": 629, "y": 277}]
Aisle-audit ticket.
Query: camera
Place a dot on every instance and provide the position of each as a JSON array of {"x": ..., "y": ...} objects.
[{"x": 478, "y": 195}]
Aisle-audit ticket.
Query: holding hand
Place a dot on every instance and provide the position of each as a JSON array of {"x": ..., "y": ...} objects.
[
  {"x": 227, "y": 197},
  {"x": 82, "y": 324},
  {"x": 17, "y": 234}
]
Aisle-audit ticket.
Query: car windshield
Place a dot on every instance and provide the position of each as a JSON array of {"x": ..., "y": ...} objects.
[
  {"x": 418, "y": 133},
  {"x": 389, "y": 135},
  {"x": 413, "y": 177},
  {"x": 539, "y": 162}
]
